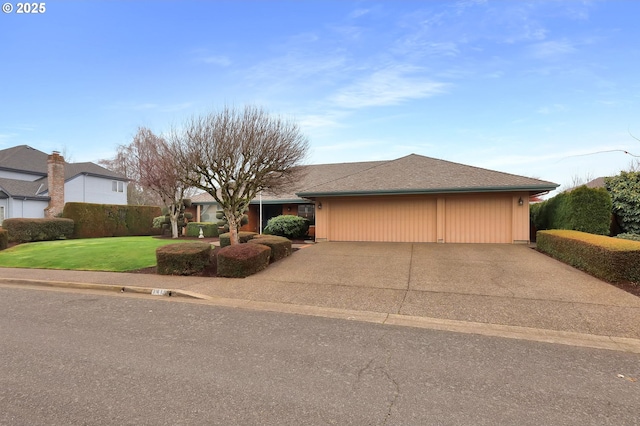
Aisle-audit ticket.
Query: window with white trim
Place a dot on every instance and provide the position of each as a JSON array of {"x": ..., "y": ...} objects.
[{"x": 117, "y": 186}]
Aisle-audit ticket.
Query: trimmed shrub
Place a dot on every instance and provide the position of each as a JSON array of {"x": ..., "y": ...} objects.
[
  {"x": 243, "y": 236},
  {"x": 4, "y": 239},
  {"x": 590, "y": 210},
  {"x": 242, "y": 260},
  {"x": 158, "y": 221},
  {"x": 111, "y": 220},
  {"x": 280, "y": 246},
  {"x": 183, "y": 258},
  {"x": 24, "y": 230},
  {"x": 583, "y": 209},
  {"x": 208, "y": 229},
  {"x": 288, "y": 226},
  {"x": 607, "y": 258}
]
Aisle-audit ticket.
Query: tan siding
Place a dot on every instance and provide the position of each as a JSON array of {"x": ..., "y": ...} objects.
[
  {"x": 407, "y": 219},
  {"x": 521, "y": 218},
  {"x": 478, "y": 219}
]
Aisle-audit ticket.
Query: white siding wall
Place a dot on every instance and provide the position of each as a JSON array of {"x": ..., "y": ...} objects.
[
  {"x": 91, "y": 189},
  {"x": 24, "y": 208}
]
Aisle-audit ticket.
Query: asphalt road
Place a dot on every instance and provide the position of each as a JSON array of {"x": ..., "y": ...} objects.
[{"x": 83, "y": 358}]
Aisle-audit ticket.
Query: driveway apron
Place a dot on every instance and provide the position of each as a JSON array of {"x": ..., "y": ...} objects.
[{"x": 487, "y": 283}]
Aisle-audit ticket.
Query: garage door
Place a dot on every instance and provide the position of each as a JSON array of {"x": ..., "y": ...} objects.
[
  {"x": 478, "y": 220},
  {"x": 401, "y": 219}
]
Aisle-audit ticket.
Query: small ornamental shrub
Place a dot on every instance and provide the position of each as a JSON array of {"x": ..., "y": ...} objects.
[
  {"x": 242, "y": 260},
  {"x": 158, "y": 221},
  {"x": 243, "y": 236},
  {"x": 287, "y": 226},
  {"x": 23, "y": 230},
  {"x": 4, "y": 239},
  {"x": 280, "y": 246},
  {"x": 607, "y": 258},
  {"x": 183, "y": 258},
  {"x": 208, "y": 229}
]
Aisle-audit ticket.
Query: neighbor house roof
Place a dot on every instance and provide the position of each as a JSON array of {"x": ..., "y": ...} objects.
[
  {"x": 596, "y": 183},
  {"x": 417, "y": 174},
  {"x": 22, "y": 188},
  {"x": 26, "y": 159},
  {"x": 413, "y": 174}
]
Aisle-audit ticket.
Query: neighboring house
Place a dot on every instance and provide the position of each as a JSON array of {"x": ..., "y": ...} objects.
[
  {"x": 410, "y": 199},
  {"x": 34, "y": 184},
  {"x": 596, "y": 183}
]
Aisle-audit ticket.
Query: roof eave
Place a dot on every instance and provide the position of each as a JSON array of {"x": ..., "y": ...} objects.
[{"x": 534, "y": 189}]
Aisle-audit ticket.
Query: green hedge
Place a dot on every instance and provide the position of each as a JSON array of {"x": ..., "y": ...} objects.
[
  {"x": 111, "y": 220},
  {"x": 24, "y": 230},
  {"x": 583, "y": 209},
  {"x": 280, "y": 246},
  {"x": 607, "y": 258},
  {"x": 208, "y": 229},
  {"x": 183, "y": 258},
  {"x": 243, "y": 236},
  {"x": 242, "y": 260},
  {"x": 4, "y": 239}
]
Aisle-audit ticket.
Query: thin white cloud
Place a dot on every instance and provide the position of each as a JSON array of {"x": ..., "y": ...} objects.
[
  {"x": 550, "y": 109},
  {"x": 147, "y": 106},
  {"x": 358, "y": 13},
  {"x": 552, "y": 49},
  {"x": 390, "y": 86},
  {"x": 223, "y": 61}
]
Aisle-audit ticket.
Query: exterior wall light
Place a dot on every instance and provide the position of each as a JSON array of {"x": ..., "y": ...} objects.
[
  {"x": 520, "y": 202},
  {"x": 319, "y": 206}
]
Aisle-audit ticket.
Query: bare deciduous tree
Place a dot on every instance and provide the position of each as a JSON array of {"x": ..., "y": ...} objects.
[
  {"x": 150, "y": 163},
  {"x": 234, "y": 154}
]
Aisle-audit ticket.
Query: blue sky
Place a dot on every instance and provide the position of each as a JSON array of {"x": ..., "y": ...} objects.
[{"x": 520, "y": 87}]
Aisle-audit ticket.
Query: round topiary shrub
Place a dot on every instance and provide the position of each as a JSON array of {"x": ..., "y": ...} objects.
[
  {"x": 242, "y": 260},
  {"x": 287, "y": 226},
  {"x": 183, "y": 258},
  {"x": 280, "y": 246}
]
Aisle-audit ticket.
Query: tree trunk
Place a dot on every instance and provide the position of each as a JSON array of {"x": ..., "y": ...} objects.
[
  {"x": 173, "y": 217},
  {"x": 233, "y": 229}
]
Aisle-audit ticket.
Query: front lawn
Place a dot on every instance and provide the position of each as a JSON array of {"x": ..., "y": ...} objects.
[{"x": 115, "y": 254}]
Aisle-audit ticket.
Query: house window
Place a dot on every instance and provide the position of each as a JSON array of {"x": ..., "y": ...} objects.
[
  {"x": 307, "y": 211},
  {"x": 117, "y": 186},
  {"x": 1, "y": 214}
]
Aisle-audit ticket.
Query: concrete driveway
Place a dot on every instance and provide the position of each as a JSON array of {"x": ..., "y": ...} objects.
[{"x": 487, "y": 283}]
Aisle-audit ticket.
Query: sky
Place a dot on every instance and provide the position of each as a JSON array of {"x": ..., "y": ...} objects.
[{"x": 545, "y": 89}]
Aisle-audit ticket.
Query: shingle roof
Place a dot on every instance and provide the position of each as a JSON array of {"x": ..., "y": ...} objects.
[
  {"x": 418, "y": 174},
  {"x": 23, "y": 188},
  {"x": 414, "y": 173},
  {"x": 311, "y": 175},
  {"x": 23, "y": 158}
]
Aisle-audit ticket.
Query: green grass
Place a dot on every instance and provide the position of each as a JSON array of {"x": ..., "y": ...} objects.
[{"x": 116, "y": 254}]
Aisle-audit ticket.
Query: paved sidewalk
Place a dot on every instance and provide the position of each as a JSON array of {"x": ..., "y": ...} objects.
[{"x": 502, "y": 290}]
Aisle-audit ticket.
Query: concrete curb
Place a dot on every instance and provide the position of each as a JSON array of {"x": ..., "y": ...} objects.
[
  {"x": 614, "y": 343},
  {"x": 103, "y": 287}
]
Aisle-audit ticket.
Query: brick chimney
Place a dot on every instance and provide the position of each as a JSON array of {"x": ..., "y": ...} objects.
[{"x": 55, "y": 176}]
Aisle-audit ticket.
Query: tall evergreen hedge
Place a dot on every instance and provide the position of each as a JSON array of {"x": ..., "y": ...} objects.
[
  {"x": 583, "y": 209},
  {"x": 110, "y": 220}
]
